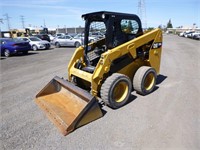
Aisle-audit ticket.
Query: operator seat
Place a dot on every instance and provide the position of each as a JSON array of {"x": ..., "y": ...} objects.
[{"x": 119, "y": 37}]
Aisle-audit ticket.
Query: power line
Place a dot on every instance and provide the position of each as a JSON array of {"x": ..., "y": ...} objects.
[
  {"x": 44, "y": 23},
  {"x": 22, "y": 20},
  {"x": 8, "y": 20},
  {"x": 142, "y": 12},
  {"x": 1, "y": 20}
]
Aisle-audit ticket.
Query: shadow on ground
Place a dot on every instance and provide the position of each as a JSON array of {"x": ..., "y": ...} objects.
[{"x": 160, "y": 79}]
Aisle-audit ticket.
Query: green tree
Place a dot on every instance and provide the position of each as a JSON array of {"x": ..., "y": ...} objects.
[
  {"x": 130, "y": 27},
  {"x": 160, "y": 26},
  {"x": 169, "y": 24}
]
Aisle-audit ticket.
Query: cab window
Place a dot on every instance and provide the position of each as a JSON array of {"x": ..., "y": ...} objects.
[
  {"x": 97, "y": 29},
  {"x": 129, "y": 26}
]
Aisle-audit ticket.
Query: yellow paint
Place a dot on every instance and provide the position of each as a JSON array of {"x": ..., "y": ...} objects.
[{"x": 103, "y": 66}]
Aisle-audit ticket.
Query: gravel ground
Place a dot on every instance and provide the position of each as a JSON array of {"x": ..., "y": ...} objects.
[{"x": 169, "y": 118}]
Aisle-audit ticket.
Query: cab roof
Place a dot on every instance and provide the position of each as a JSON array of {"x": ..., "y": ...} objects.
[{"x": 108, "y": 13}]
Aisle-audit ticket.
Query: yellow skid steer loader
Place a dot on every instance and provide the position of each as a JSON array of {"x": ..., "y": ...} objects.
[{"x": 122, "y": 58}]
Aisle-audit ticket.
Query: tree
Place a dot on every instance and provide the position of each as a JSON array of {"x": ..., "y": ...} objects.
[
  {"x": 130, "y": 26},
  {"x": 169, "y": 24},
  {"x": 160, "y": 26}
]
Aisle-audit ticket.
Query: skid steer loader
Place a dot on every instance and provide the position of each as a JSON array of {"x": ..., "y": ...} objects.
[{"x": 122, "y": 58}]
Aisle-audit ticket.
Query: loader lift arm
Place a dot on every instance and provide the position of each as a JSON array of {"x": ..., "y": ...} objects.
[{"x": 130, "y": 48}]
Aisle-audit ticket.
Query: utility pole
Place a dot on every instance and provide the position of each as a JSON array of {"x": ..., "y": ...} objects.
[
  {"x": 8, "y": 21},
  {"x": 1, "y": 22},
  {"x": 142, "y": 13},
  {"x": 44, "y": 24},
  {"x": 22, "y": 20}
]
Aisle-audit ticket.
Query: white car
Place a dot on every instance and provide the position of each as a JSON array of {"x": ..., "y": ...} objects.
[
  {"x": 59, "y": 34},
  {"x": 81, "y": 37},
  {"x": 51, "y": 37},
  {"x": 37, "y": 43},
  {"x": 66, "y": 40},
  {"x": 186, "y": 33},
  {"x": 191, "y": 35}
]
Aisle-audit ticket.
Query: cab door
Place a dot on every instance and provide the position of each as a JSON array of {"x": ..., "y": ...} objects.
[
  {"x": 69, "y": 40},
  {"x": 62, "y": 40}
]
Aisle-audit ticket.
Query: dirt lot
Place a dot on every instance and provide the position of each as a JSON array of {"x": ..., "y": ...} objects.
[{"x": 169, "y": 118}]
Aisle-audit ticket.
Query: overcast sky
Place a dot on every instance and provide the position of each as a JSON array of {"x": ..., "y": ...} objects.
[{"x": 67, "y": 13}]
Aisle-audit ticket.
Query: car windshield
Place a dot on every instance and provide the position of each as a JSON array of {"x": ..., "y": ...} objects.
[
  {"x": 18, "y": 40},
  {"x": 34, "y": 39},
  {"x": 79, "y": 36}
]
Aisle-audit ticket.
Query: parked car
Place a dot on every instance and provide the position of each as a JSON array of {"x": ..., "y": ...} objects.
[
  {"x": 43, "y": 37},
  {"x": 66, "y": 40},
  {"x": 72, "y": 34},
  {"x": 36, "y": 43},
  {"x": 185, "y": 33},
  {"x": 97, "y": 35},
  {"x": 81, "y": 37},
  {"x": 59, "y": 34},
  {"x": 193, "y": 34},
  {"x": 51, "y": 37},
  {"x": 196, "y": 36},
  {"x": 10, "y": 46},
  {"x": 181, "y": 34}
]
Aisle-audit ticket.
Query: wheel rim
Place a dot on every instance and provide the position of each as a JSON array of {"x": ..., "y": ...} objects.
[
  {"x": 57, "y": 45},
  {"x": 6, "y": 53},
  {"x": 34, "y": 48},
  {"x": 149, "y": 81},
  {"x": 120, "y": 91},
  {"x": 77, "y": 45}
]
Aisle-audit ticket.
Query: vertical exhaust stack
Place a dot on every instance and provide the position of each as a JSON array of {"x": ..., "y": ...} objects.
[{"x": 67, "y": 106}]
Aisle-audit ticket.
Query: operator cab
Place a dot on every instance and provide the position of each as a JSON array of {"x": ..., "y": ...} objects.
[
  {"x": 111, "y": 29},
  {"x": 116, "y": 28}
]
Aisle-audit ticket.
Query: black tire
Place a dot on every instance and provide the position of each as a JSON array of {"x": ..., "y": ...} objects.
[
  {"x": 116, "y": 90},
  {"x": 35, "y": 48},
  {"x": 7, "y": 53},
  {"x": 77, "y": 44},
  {"x": 144, "y": 80},
  {"x": 25, "y": 52},
  {"x": 57, "y": 45}
]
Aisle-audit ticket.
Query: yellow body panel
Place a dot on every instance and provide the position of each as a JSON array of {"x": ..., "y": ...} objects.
[{"x": 103, "y": 66}]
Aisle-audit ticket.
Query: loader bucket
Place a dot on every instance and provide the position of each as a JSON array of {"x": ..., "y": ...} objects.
[{"x": 67, "y": 105}]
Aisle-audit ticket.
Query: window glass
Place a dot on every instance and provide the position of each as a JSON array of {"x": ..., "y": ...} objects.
[
  {"x": 97, "y": 29},
  {"x": 67, "y": 37},
  {"x": 25, "y": 39},
  {"x": 129, "y": 26},
  {"x": 61, "y": 37},
  {"x": 34, "y": 39}
]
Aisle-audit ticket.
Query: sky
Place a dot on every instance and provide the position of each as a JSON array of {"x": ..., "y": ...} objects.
[{"x": 67, "y": 13}]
